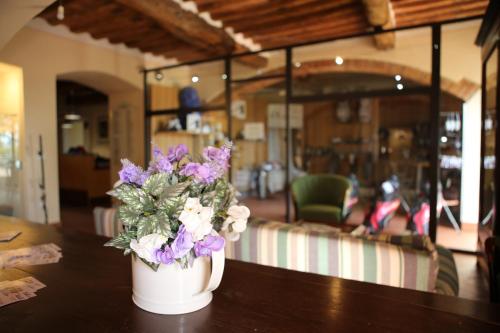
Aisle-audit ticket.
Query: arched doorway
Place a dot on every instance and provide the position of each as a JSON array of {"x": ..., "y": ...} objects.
[{"x": 95, "y": 116}]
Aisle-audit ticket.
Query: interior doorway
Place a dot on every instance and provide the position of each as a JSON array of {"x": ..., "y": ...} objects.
[{"x": 84, "y": 150}]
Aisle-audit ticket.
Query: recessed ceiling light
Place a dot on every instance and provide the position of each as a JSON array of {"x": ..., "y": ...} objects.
[
  {"x": 298, "y": 64},
  {"x": 339, "y": 60},
  {"x": 444, "y": 139},
  {"x": 224, "y": 76},
  {"x": 397, "y": 77},
  {"x": 399, "y": 86},
  {"x": 158, "y": 75},
  {"x": 195, "y": 78},
  {"x": 72, "y": 116}
]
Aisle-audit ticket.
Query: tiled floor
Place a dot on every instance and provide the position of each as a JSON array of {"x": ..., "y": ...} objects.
[{"x": 473, "y": 284}]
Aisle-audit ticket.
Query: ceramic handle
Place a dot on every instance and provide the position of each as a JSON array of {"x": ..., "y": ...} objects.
[{"x": 218, "y": 260}]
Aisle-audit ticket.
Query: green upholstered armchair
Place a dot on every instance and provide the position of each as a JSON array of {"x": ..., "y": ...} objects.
[{"x": 321, "y": 198}]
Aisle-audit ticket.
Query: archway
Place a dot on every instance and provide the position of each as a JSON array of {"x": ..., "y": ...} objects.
[
  {"x": 99, "y": 118},
  {"x": 463, "y": 90}
]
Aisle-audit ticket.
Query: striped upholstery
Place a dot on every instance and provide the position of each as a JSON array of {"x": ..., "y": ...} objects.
[
  {"x": 447, "y": 280},
  {"x": 321, "y": 250},
  {"x": 330, "y": 253},
  {"x": 106, "y": 222}
]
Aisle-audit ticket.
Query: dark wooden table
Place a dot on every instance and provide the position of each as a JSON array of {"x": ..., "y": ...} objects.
[{"x": 89, "y": 290}]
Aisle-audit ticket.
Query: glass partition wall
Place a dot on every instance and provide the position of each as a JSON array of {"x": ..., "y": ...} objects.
[
  {"x": 335, "y": 107},
  {"x": 365, "y": 114},
  {"x": 186, "y": 104},
  {"x": 459, "y": 137}
]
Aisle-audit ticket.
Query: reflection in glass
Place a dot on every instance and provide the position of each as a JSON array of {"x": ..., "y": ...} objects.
[
  {"x": 187, "y": 87},
  {"x": 203, "y": 129}
]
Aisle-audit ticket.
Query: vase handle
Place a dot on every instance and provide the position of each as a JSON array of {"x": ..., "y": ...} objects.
[{"x": 218, "y": 260}]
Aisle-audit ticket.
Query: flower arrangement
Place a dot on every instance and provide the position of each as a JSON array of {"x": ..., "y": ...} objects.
[{"x": 173, "y": 211}]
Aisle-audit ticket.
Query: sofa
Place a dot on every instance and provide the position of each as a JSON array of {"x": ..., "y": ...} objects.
[{"x": 412, "y": 262}]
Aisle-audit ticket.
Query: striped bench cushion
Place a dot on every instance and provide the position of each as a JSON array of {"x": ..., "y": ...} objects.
[
  {"x": 330, "y": 253},
  {"x": 106, "y": 222},
  {"x": 447, "y": 279}
]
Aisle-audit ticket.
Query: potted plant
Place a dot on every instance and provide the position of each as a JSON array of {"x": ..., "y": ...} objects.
[{"x": 177, "y": 215}]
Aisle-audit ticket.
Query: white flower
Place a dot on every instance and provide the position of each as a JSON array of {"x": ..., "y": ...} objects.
[
  {"x": 239, "y": 225},
  {"x": 190, "y": 220},
  {"x": 205, "y": 227},
  {"x": 237, "y": 219},
  {"x": 197, "y": 219},
  {"x": 193, "y": 205},
  {"x": 239, "y": 212},
  {"x": 147, "y": 246}
]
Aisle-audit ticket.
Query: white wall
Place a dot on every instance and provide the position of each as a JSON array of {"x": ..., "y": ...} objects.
[
  {"x": 14, "y": 14},
  {"x": 43, "y": 57}
]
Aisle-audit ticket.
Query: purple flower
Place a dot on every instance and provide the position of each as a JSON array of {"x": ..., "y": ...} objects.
[
  {"x": 160, "y": 162},
  {"x": 207, "y": 245},
  {"x": 157, "y": 152},
  {"x": 176, "y": 154},
  {"x": 183, "y": 243},
  {"x": 165, "y": 256},
  {"x": 218, "y": 156},
  {"x": 131, "y": 173},
  {"x": 164, "y": 165},
  {"x": 202, "y": 173},
  {"x": 190, "y": 169}
]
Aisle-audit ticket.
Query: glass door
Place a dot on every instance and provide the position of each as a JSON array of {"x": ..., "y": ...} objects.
[
  {"x": 487, "y": 222},
  {"x": 10, "y": 122}
]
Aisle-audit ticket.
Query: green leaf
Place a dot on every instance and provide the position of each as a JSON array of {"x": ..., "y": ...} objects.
[
  {"x": 173, "y": 206},
  {"x": 122, "y": 241},
  {"x": 146, "y": 226},
  {"x": 154, "y": 267},
  {"x": 155, "y": 184},
  {"x": 138, "y": 200},
  {"x": 221, "y": 197},
  {"x": 128, "y": 216},
  {"x": 174, "y": 190},
  {"x": 163, "y": 225}
]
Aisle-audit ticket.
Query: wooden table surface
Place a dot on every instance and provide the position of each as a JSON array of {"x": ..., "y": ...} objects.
[{"x": 89, "y": 290}]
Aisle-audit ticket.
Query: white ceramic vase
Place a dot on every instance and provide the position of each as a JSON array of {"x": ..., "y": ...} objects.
[{"x": 173, "y": 290}]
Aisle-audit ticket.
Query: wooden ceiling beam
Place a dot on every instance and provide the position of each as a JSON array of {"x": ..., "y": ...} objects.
[
  {"x": 408, "y": 8},
  {"x": 137, "y": 36},
  {"x": 278, "y": 7},
  {"x": 218, "y": 7},
  {"x": 281, "y": 40},
  {"x": 326, "y": 23},
  {"x": 117, "y": 26},
  {"x": 157, "y": 39},
  {"x": 190, "y": 28},
  {"x": 380, "y": 15},
  {"x": 438, "y": 16},
  {"x": 299, "y": 14},
  {"x": 183, "y": 24},
  {"x": 254, "y": 60}
]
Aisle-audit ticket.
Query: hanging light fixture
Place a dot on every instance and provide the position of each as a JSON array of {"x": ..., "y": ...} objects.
[
  {"x": 60, "y": 11},
  {"x": 72, "y": 116}
]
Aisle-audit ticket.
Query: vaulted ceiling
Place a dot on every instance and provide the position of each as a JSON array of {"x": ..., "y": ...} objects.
[{"x": 164, "y": 27}]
